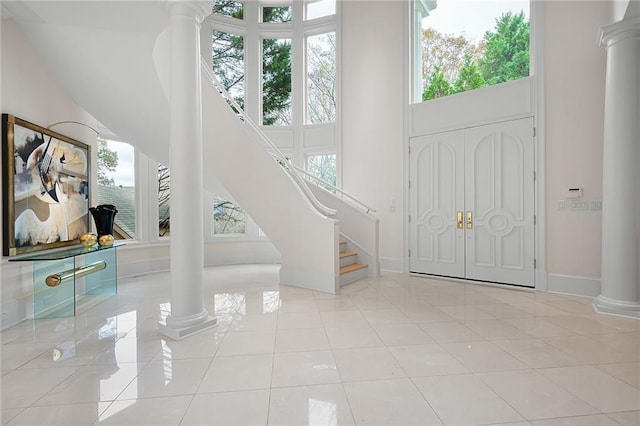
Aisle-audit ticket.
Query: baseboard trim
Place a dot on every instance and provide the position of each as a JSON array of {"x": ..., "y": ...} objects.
[
  {"x": 312, "y": 280},
  {"x": 392, "y": 264},
  {"x": 577, "y": 286}
]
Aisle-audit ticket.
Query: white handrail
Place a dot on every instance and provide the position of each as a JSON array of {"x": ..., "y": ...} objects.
[
  {"x": 342, "y": 192},
  {"x": 280, "y": 157}
]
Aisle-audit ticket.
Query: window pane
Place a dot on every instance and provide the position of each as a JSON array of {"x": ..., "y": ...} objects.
[
  {"x": 320, "y": 8},
  {"x": 276, "y": 82},
  {"x": 228, "y": 218},
  {"x": 232, "y": 9},
  {"x": 228, "y": 63},
  {"x": 164, "y": 195},
  {"x": 116, "y": 185},
  {"x": 471, "y": 44},
  {"x": 324, "y": 167},
  {"x": 276, "y": 14},
  {"x": 321, "y": 78}
]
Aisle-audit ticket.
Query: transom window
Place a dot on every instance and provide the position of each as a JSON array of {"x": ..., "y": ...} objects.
[
  {"x": 232, "y": 9},
  {"x": 276, "y": 14},
  {"x": 319, "y": 8},
  {"x": 465, "y": 45}
]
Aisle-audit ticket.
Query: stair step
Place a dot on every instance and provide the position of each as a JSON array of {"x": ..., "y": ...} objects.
[
  {"x": 343, "y": 246},
  {"x": 347, "y": 254},
  {"x": 352, "y": 267}
]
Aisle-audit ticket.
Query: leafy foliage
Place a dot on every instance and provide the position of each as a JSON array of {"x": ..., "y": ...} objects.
[
  {"x": 437, "y": 85},
  {"x": 454, "y": 64},
  {"x": 469, "y": 77},
  {"x": 506, "y": 53},
  {"x": 276, "y": 82},
  {"x": 276, "y": 14},
  {"x": 107, "y": 162},
  {"x": 447, "y": 52},
  {"x": 230, "y": 8}
]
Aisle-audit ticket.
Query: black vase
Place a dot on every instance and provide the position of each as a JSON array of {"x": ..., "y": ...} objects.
[{"x": 104, "y": 216}]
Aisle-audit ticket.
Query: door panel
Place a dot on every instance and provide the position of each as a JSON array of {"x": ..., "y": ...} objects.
[
  {"x": 499, "y": 192},
  {"x": 436, "y": 194},
  {"x": 486, "y": 172}
]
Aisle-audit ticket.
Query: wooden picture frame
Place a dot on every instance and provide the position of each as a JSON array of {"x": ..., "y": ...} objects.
[{"x": 45, "y": 191}]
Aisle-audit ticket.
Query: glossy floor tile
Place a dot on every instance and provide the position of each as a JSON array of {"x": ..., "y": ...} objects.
[{"x": 392, "y": 350}]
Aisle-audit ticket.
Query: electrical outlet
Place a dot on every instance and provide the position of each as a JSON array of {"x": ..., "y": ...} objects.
[
  {"x": 579, "y": 205},
  {"x": 595, "y": 205},
  {"x": 560, "y": 204}
]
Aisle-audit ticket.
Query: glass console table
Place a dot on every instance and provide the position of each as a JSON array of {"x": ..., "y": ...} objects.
[{"x": 69, "y": 281}]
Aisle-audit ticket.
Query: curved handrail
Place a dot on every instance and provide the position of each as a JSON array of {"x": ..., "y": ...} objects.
[
  {"x": 342, "y": 192},
  {"x": 280, "y": 157}
]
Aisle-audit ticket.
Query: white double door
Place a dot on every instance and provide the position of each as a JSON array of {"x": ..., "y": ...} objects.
[{"x": 472, "y": 203}]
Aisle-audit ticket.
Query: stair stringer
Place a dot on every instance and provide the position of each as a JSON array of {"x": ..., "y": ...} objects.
[{"x": 307, "y": 241}]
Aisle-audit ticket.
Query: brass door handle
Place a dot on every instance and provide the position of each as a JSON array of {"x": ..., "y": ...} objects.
[
  {"x": 469, "y": 220},
  {"x": 460, "y": 219}
]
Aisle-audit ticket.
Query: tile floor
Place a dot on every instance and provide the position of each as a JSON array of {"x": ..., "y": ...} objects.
[{"x": 397, "y": 350}]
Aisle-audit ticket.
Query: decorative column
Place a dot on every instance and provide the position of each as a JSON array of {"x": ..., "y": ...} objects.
[
  {"x": 188, "y": 314},
  {"x": 620, "y": 287}
]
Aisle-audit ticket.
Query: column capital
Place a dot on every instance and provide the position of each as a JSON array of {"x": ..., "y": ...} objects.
[
  {"x": 191, "y": 8},
  {"x": 621, "y": 30}
]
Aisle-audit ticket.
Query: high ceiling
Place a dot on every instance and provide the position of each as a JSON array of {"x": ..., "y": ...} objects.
[{"x": 133, "y": 16}]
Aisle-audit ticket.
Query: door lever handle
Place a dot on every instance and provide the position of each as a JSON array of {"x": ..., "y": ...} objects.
[
  {"x": 469, "y": 220},
  {"x": 460, "y": 219}
]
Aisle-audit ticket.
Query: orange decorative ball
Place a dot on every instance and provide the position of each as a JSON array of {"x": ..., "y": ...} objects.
[
  {"x": 88, "y": 239},
  {"x": 106, "y": 240}
]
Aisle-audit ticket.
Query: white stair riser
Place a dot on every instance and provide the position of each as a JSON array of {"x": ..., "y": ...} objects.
[
  {"x": 343, "y": 248},
  {"x": 348, "y": 260},
  {"x": 350, "y": 277}
]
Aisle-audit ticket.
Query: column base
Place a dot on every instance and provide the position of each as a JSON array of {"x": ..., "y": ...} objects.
[
  {"x": 604, "y": 305},
  {"x": 180, "y": 331}
]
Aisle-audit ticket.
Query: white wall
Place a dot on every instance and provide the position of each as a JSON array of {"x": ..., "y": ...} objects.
[
  {"x": 373, "y": 65},
  {"x": 575, "y": 80},
  {"x": 30, "y": 92}
]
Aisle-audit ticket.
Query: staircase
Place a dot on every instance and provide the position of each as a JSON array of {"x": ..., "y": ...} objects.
[
  {"x": 237, "y": 154},
  {"x": 350, "y": 269}
]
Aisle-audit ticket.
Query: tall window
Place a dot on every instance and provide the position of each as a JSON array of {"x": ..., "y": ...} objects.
[
  {"x": 467, "y": 44},
  {"x": 164, "y": 197},
  {"x": 228, "y": 63},
  {"x": 116, "y": 184},
  {"x": 276, "y": 82},
  {"x": 284, "y": 72},
  {"x": 228, "y": 218},
  {"x": 321, "y": 78}
]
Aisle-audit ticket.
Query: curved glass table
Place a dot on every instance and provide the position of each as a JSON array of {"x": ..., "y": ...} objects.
[{"x": 69, "y": 281}]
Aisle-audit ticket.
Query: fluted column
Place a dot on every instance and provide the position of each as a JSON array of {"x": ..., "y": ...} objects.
[
  {"x": 188, "y": 314},
  {"x": 620, "y": 288}
]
